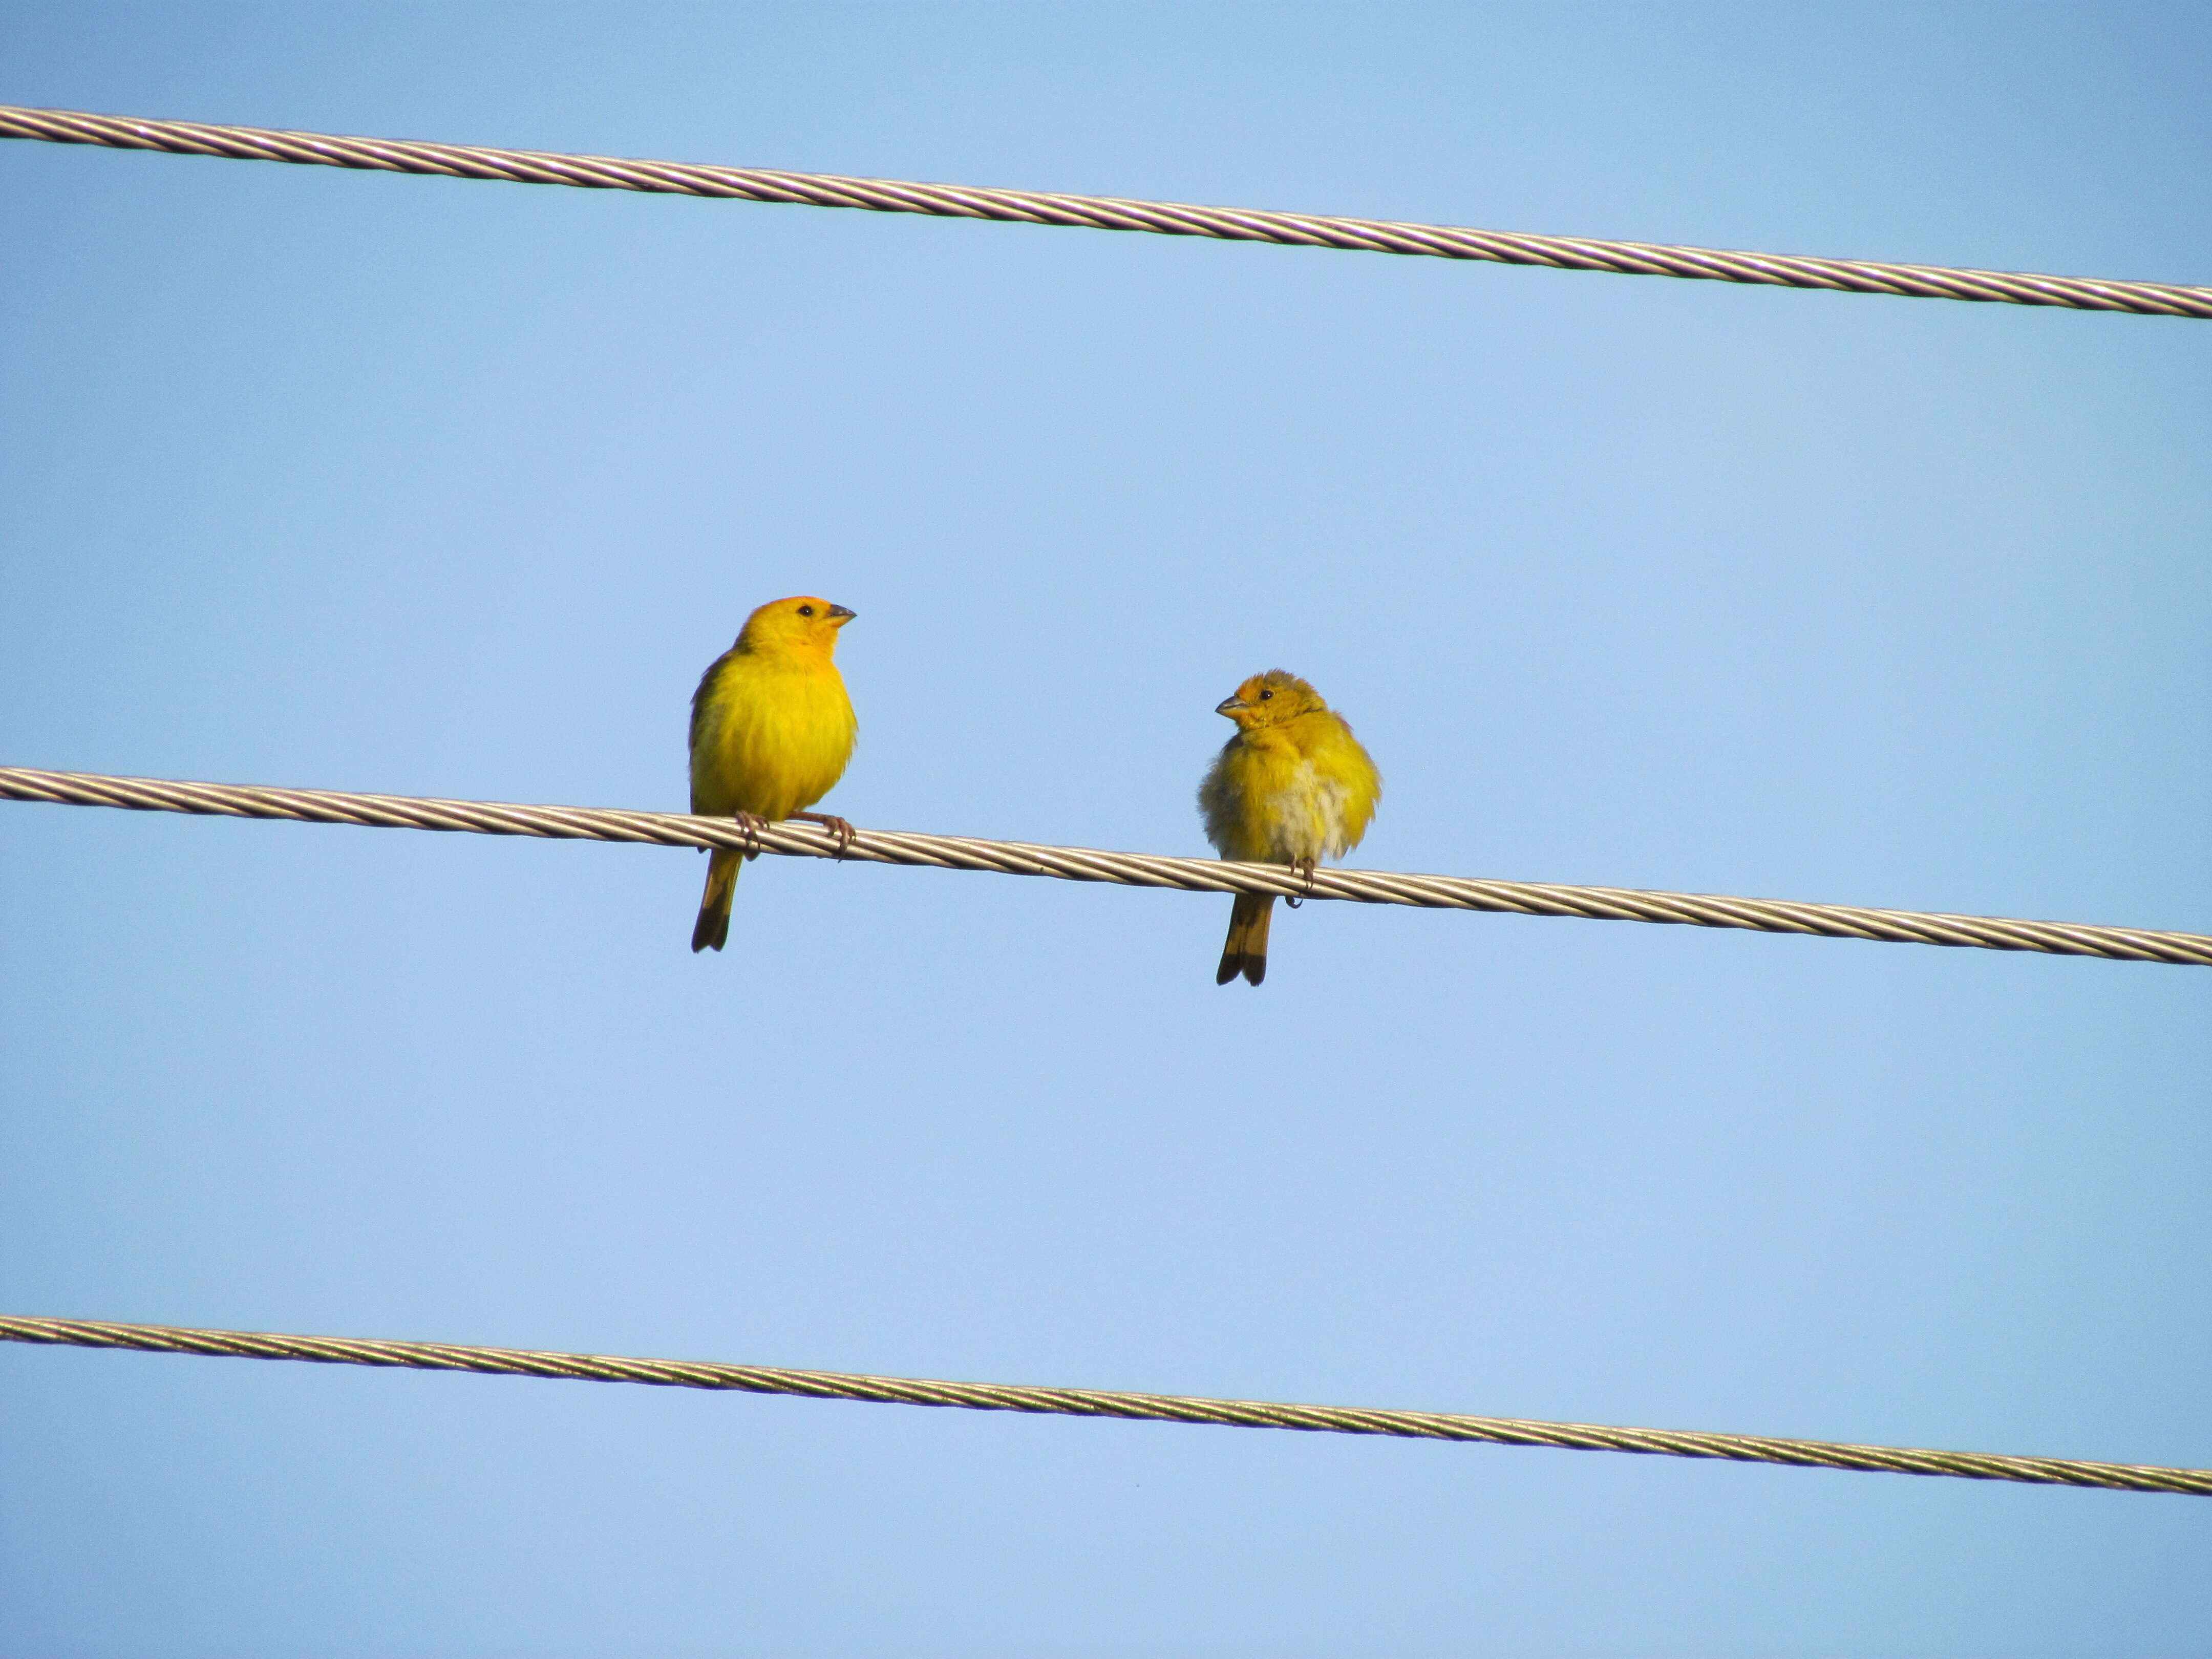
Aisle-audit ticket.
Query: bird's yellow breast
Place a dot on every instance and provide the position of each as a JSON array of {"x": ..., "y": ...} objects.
[
  {"x": 1284, "y": 794},
  {"x": 770, "y": 735}
]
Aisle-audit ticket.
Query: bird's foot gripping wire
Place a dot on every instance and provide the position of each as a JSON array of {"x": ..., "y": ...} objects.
[
  {"x": 1305, "y": 868},
  {"x": 752, "y": 823},
  {"x": 836, "y": 826}
]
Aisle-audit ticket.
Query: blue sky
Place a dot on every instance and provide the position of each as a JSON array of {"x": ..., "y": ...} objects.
[{"x": 360, "y": 482}]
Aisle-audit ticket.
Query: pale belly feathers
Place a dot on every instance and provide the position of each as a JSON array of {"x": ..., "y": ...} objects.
[
  {"x": 1302, "y": 818},
  {"x": 1265, "y": 806}
]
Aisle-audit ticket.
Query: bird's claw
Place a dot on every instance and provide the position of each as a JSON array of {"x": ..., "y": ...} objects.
[
  {"x": 752, "y": 823},
  {"x": 840, "y": 829}
]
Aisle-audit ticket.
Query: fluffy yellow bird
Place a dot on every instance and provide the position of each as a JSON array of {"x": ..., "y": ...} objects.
[
  {"x": 1292, "y": 787},
  {"x": 771, "y": 730}
]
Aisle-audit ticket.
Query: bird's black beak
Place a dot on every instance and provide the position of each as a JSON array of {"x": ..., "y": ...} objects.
[
  {"x": 839, "y": 615},
  {"x": 1230, "y": 705}
]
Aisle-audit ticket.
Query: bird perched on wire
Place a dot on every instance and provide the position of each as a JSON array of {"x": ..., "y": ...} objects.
[
  {"x": 1292, "y": 787},
  {"x": 771, "y": 730}
]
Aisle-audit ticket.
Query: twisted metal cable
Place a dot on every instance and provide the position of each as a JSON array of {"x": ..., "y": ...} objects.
[
  {"x": 1088, "y": 864},
  {"x": 62, "y": 126},
  {"x": 1103, "y": 1402}
]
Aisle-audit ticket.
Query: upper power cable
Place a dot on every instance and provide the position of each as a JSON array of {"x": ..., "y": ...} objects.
[
  {"x": 527, "y": 167},
  {"x": 1014, "y": 858}
]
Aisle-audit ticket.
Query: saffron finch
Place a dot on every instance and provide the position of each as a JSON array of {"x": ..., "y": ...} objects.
[
  {"x": 1292, "y": 787},
  {"x": 771, "y": 730}
]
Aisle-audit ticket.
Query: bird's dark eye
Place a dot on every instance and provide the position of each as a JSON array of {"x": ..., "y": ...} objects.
[
  {"x": 806, "y": 609},
  {"x": 1264, "y": 696}
]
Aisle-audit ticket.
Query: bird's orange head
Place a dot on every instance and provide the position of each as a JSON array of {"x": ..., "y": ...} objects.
[
  {"x": 800, "y": 626},
  {"x": 1270, "y": 699}
]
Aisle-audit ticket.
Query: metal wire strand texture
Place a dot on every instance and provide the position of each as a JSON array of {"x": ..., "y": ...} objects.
[
  {"x": 1088, "y": 864},
  {"x": 1101, "y": 1402},
  {"x": 63, "y": 126}
]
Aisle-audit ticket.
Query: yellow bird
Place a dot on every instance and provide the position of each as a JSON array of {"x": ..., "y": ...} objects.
[
  {"x": 1292, "y": 787},
  {"x": 771, "y": 730}
]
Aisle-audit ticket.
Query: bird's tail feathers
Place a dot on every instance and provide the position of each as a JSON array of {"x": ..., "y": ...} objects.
[
  {"x": 712, "y": 930},
  {"x": 1246, "y": 952}
]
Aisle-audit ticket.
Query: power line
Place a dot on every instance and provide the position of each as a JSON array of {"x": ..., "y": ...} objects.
[
  {"x": 25, "y": 783},
  {"x": 63, "y": 126},
  {"x": 1101, "y": 1402}
]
